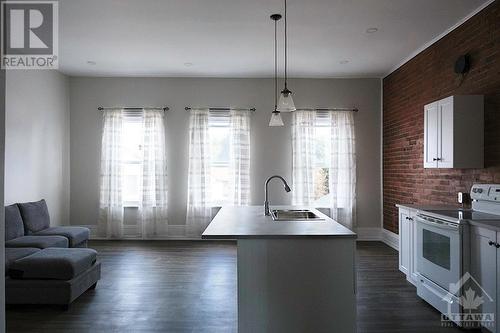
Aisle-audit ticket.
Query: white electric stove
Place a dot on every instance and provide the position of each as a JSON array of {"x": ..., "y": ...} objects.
[{"x": 443, "y": 249}]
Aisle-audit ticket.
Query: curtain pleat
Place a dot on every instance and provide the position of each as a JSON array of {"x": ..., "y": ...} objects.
[
  {"x": 199, "y": 205},
  {"x": 110, "y": 195},
  {"x": 303, "y": 157},
  {"x": 154, "y": 205},
  {"x": 343, "y": 169},
  {"x": 240, "y": 157}
]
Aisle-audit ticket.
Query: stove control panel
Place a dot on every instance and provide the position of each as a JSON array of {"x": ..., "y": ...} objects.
[{"x": 485, "y": 192}]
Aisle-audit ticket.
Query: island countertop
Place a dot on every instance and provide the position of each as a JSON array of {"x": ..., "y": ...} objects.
[{"x": 249, "y": 222}]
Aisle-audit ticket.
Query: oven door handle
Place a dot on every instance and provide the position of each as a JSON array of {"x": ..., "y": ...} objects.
[{"x": 437, "y": 223}]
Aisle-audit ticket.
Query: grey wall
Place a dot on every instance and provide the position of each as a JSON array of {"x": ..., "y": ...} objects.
[
  {"x": 37, "y": 140},
  {"x": 271, "y": 147}
]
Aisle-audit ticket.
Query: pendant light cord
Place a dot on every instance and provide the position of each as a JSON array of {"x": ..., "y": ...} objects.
[
  {"x": 286, "y": 50},
  {"x": 275, "y": 65}
]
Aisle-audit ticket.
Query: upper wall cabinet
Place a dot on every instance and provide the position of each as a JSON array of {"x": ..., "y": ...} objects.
[{"x": 454, "y": 132}]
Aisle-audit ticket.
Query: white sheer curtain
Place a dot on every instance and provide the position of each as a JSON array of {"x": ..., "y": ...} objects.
[
  {"x": 342, "y": 176},
  {"x": 110, "y": 198},
  {"x": 199, "y": 206},
  {"x": 302, "y": 157},
  {"x": 240, "y": 156},
  {"x": 341, "y": 199},
  {"x": 153, "y": 208}
]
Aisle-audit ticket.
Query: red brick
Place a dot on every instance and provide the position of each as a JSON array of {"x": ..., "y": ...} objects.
[{"x": 427, "y": 77}]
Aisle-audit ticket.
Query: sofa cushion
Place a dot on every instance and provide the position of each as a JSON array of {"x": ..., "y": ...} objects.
[
  {"x": 13, "y": 222},
  {"x": 76, "y": 235},
  {"x": 40, "y": 242},
  {"x": 35, "y": 216},
  {"x": 58, "y": 264},
  {"x": 13, "y": 253}
]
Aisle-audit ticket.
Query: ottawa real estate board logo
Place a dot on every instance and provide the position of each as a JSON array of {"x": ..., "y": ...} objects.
[
  {"x": 475, "y": 303},
  {"x": 29, "y": 35}
]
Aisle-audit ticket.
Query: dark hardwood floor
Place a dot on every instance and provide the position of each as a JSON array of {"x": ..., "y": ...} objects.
[{"x": 181, "y": 286}]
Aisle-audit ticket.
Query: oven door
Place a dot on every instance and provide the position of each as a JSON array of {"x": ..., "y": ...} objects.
[{"x": 438, "y": 251}]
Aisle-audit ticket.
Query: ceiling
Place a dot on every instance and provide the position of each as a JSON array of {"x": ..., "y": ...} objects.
[{"x": 234, "y": 38}]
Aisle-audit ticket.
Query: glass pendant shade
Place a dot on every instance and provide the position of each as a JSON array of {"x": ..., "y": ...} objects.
[
  {"x": 285, "y": 103},
  {"x": 276, "y": 119}
]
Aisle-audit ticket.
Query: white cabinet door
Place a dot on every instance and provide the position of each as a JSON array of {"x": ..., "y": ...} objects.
[
  {"x": 412, "y": 275},
  {"x": 445, "y": 133},
  {"x": 483, "y": 262},
  {"x": 454, "y": 132},
  {"x": 431, "y": 113},
  {"x": 404, "y": 241}
]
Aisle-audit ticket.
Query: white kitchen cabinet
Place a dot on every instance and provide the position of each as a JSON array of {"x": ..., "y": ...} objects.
[
  {"x": 454, "y": 132},
  {"x": 485, "y": 269},
  {"x": 407, "y": 237}
]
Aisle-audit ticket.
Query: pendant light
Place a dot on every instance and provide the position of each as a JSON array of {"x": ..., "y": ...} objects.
[
  {"x": 276, "y": 115},
  {"x": 285, "y": 103}
]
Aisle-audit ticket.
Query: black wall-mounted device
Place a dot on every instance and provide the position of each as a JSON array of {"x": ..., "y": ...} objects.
[{"x": 462, "y": 65}]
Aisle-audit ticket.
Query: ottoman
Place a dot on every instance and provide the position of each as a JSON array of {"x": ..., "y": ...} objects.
[{"x": 52, "y": 276}]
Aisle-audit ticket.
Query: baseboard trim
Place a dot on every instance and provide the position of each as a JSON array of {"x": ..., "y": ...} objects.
[
  {"x": 391, "y": 239},
  {"x": 368, "y": 234},
  {"x": 132, "y": 232}
]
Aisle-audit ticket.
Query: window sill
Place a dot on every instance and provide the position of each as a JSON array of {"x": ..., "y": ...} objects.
[{"x": 130, "y": 204}]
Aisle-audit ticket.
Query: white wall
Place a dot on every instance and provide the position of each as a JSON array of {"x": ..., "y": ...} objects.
[
  {"x": 37, "y": 140},
  {"x": 271, "y": 147}
]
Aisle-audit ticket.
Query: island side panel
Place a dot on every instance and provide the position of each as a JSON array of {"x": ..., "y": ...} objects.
[{"x": 296, "y": 285}]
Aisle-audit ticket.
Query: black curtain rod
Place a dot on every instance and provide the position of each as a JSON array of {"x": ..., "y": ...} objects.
[
  {"x": 187, "y": 108},
  {"x": 329, "y": 109},
  {"x": 166, "y": 108}
]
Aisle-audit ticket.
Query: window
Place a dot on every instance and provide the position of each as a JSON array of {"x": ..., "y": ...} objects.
[
  {"x": 324, "y": 162},
  {"x": 132, "y": 157},
  {"x": 322, "y": 157},
  {"x": 220, "y": 172},
  {"x": 133, "y": 171}
]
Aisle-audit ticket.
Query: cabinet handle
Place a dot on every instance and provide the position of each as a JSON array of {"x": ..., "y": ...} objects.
[
  {"x": 491, "y": 243},
  {"x": 497, "y": 245},
  {"x": 436, "y": 159}
]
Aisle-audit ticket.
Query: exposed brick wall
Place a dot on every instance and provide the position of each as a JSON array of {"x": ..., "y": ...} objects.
[{"x": 428, "y": 77}]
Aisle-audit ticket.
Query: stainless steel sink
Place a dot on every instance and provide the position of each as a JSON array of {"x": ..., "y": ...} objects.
[{"x": 294, "y": 215}]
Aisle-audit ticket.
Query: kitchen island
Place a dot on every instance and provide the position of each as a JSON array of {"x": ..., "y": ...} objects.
[{"x": 293, "y": 276}]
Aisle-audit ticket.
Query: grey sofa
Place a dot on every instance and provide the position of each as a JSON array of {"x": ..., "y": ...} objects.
[
  {"x": 49, "y": 276},
  {"x": 15, "y": 235},
  {"x": 39, "y": 266},
  {"x": 15, "y": 253},
  {"x": 36, "y": 220}
]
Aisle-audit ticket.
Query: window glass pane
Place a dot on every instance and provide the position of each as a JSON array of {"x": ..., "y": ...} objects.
[
  {"x": 221, "y": 180},
  {"x": 219, "y": 145},
  {"x": 322, "y": 146},
  {"x": 131, "y": 182},
  {"x": 322, "y": 156},
  {"x": 321, "y": 182},
  {"x": 132, "y": 160},
  {"x": 219, "y": 133},
  {"x": 132, "y": 141}
]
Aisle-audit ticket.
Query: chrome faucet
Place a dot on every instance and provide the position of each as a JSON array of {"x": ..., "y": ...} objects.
[{"x": 267, "y": 211}]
